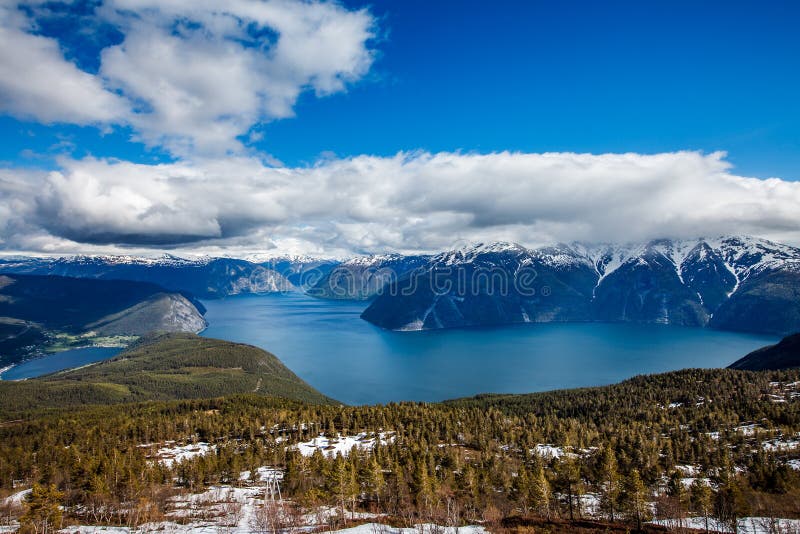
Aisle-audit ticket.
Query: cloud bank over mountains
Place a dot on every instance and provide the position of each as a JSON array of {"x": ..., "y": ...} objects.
[
  {"x": 196, "y": 78},
  {"x": 408, "y": 202}
]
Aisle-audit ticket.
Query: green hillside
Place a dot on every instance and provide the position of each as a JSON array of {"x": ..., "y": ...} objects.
[{"x": 163, "y": 367}]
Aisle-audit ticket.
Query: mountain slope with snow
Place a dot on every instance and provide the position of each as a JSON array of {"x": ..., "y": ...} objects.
[
  {"x": 363, "y": 277},
  {"x": 729, "y": 282},
  {"x": 204, "y": 278}
]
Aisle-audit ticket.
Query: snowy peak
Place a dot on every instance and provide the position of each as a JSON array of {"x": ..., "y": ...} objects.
[
  {"x": 373, "y": 260},
  {"x": 730, "y": 282},
  {"x": 741, "y": 255},
  {"x": 474, "y": 251},
  {"x": 751, "y": 255},
  {"x": 674, "y": 251},
  {"x": 162, "y": 260}
]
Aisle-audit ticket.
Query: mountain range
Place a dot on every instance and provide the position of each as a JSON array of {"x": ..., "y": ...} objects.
[
  {"x": 732, "y": 283},
  {"x": 203, "y": 278},
  {"x": 364, "y": 277}
]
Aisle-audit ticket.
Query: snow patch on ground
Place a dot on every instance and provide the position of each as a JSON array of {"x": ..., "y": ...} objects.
[
  {"x": 18, "y": 498},
  {"x": 425, "y": 528},
  {"x": 172, "y": 453},
  {"x": 343, "y": 444},
  {"x": 748, "y": 430},
  {"x": 747, "y": 525},
  {"x": 548, "y": 451},
  {"x": 263, "y": 474},
  {"x": 201, "y": 528},
  {"x": 777, "y": 445}
]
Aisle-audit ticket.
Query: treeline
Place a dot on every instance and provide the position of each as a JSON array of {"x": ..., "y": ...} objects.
[{"x": 616, "y": 449}]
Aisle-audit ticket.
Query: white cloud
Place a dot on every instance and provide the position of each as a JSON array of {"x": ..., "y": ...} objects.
[
  {"x": 191, "y": 76},
  {"x": 36, "y": 82},
  {"x": 409, "y": 202}
]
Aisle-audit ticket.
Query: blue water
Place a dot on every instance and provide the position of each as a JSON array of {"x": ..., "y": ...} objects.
[
  {"x": 328, "y": 345},
  {"x": 59, "y": 361}
]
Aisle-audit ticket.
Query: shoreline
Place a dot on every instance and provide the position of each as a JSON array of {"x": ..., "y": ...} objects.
[
  {"x": 44, "y": 353},
  {"x": 4, "y": 370}
]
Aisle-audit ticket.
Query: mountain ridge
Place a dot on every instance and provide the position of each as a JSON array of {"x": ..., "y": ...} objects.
[
  {"x": 782, "y": 355},
  {"x": 727, "y": 282}
]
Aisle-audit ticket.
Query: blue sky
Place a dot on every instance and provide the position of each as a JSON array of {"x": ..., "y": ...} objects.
[
  {"x": 572, "y": 76},
  {"x": 532, "y": 76},
  {"x": 337, "y": 128}
]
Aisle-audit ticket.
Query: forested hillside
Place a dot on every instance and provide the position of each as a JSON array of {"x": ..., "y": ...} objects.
[
  {"x": 161, "y": 367},
  {"x": 35, "y": 310},
  {"x": 710, "y": 443}
]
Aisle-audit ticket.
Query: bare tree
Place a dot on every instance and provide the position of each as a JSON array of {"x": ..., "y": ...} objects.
[{"x": 270, "y": 517}]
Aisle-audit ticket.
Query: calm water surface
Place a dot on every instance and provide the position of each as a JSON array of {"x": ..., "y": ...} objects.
[
  {"x": 58, "y": 361},
  {"x": 329, "y": 346}
]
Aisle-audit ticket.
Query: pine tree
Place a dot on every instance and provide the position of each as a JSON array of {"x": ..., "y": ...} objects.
[
  {"x": 701, "y": 499},
  {"x": 423, "y": 489},
  {"x": 609, "y": 483},
  {"x": 521, "y": 489},
  {"x": 636, "y": 496},
  {"x": 43, "y": 513},
  {"x": 568, "y": 472},
  {"x": 540, "y": 491}
]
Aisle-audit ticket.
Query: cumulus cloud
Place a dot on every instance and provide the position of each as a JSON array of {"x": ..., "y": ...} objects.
[
  {"x": 408, "y": 202},
  {"x": 192, "y": 76},
  {"x": 37, "y": 82}
]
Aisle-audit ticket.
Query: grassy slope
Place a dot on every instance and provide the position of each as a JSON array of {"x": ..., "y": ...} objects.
[{"x": 164, "y": 367}]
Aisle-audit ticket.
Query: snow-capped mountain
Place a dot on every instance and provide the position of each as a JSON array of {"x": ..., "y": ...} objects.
[
  {"x": 302, "y": 271},
  {"x": 203, "y": 277},
  {"x": 731, "y": 282},
  {"x": 362, "y": 277}
]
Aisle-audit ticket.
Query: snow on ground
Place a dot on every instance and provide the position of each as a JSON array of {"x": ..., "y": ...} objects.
[
  {"x": 219, "y": 505},
  {"x": 688, "y": 481},
  {"x": 263, "y": 474},
  {"x": 778, "y": 444},
  {"x": 548, "y": 451},
  {"x": 324, "y": 514},
  {"x": 689, "y": 470},
  {"x": 694, "y": 523},
  {"x": 747, "y": 525},
  {"x": 766, "y": 525},
  {"x": 236, "y": 510},
  {"x": 84, "y": 529},
  {"x": 794, "y": 464},
  {"x": 343, "y": 444},
  {"x": 172, "y": 453},
  {"x": 425, "y": 528},
  {"x": 748, "y": 430},
  {"x": 17, "y": 498},
  {"x": 590, "y": 504},
  {"x": 196, "y": 528}
]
